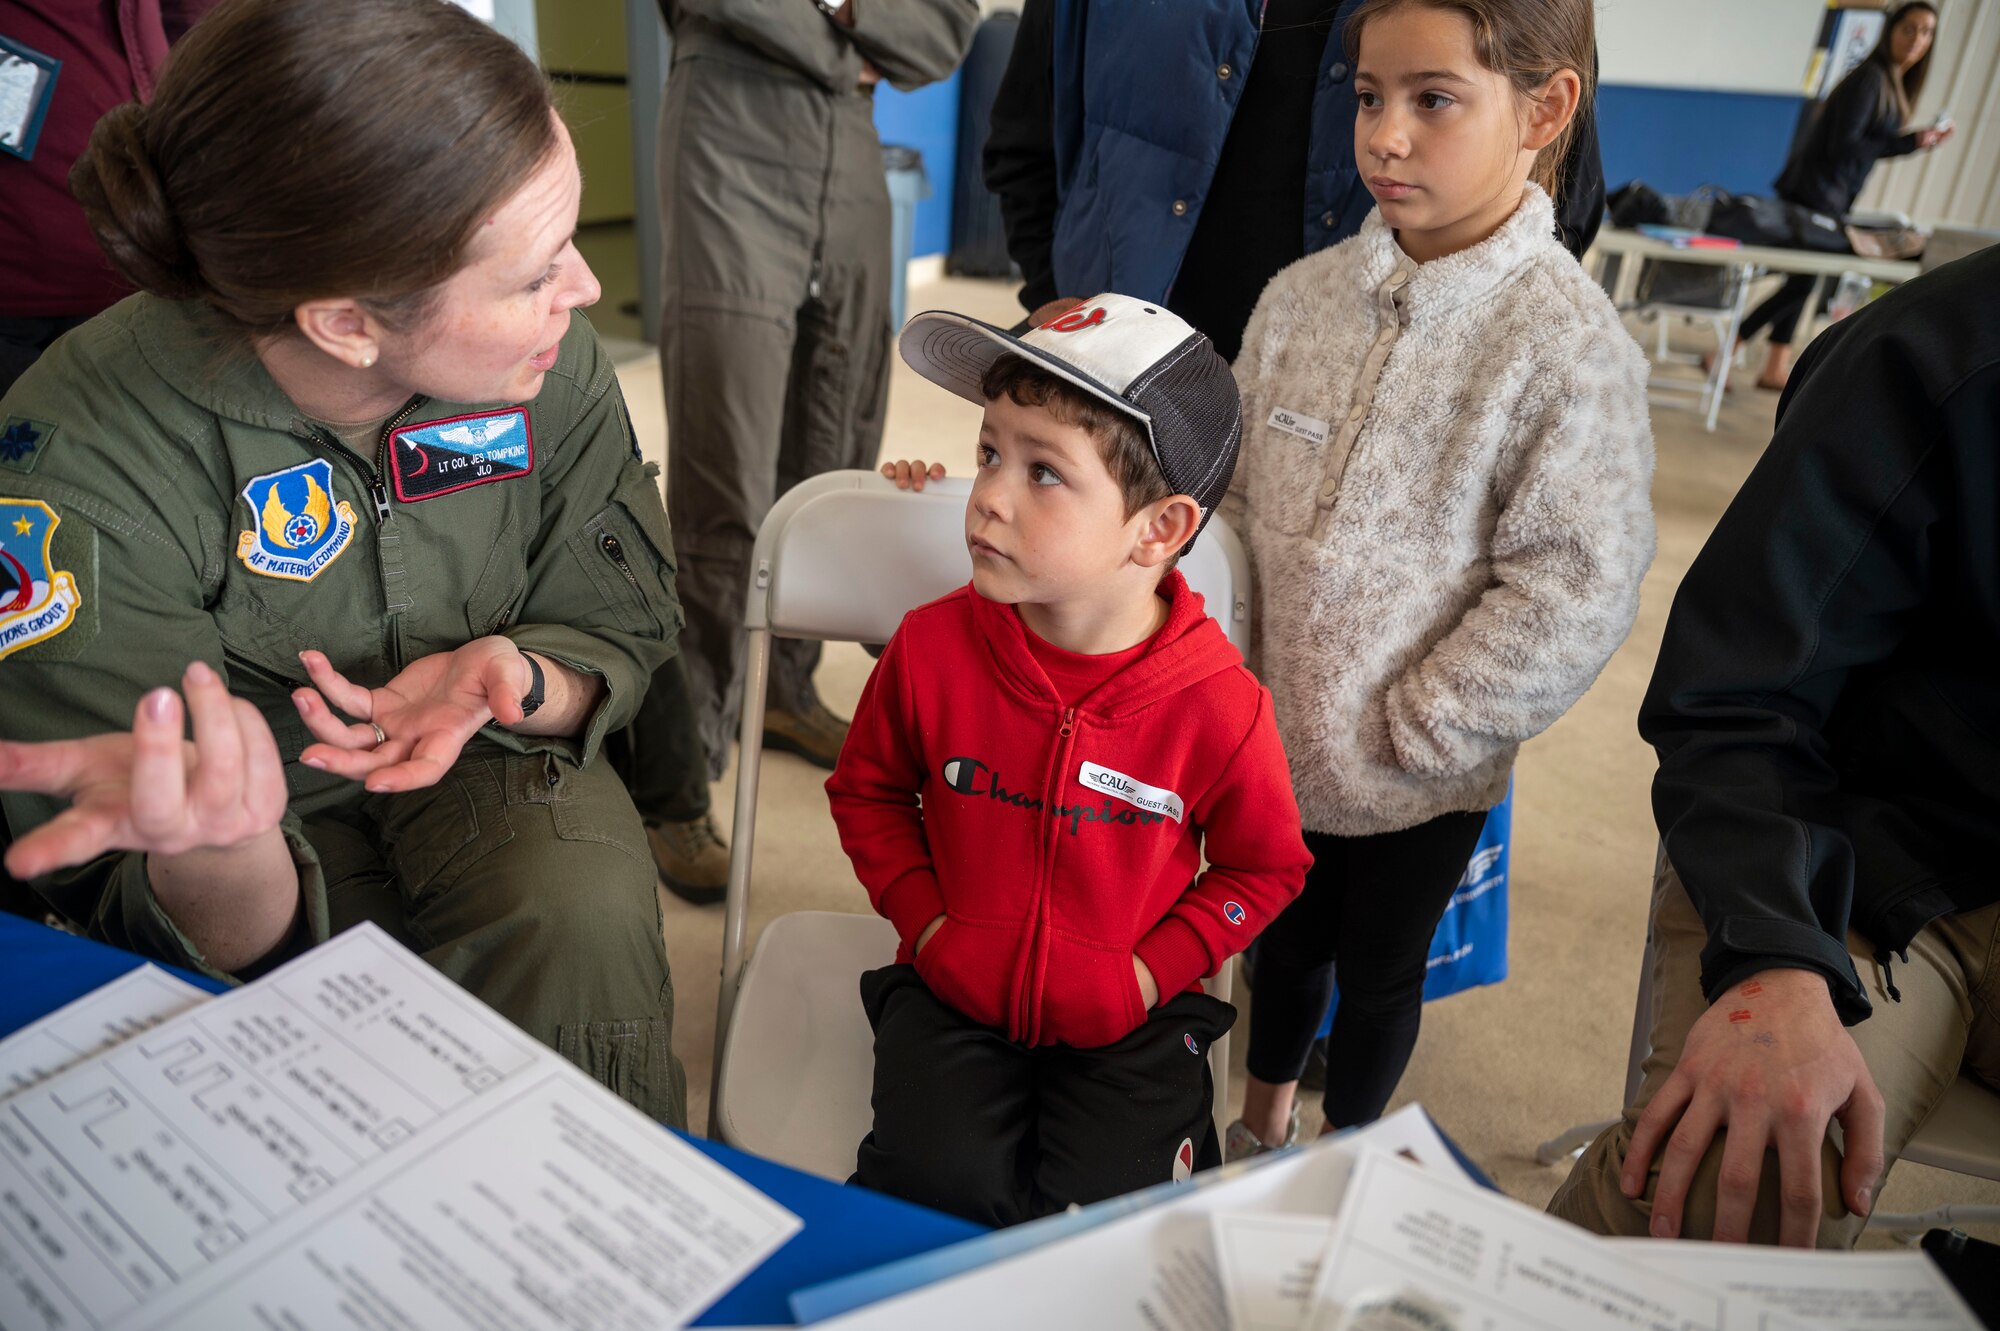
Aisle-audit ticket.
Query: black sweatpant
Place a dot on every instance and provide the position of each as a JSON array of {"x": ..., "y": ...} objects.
[
  {"x": 971, "y": 1122},
  {"x": 1369, "y": 908}
]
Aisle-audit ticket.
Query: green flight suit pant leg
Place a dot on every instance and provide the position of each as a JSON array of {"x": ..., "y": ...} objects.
[
  {"x": 527, "y": 880},
  {"x": 660, "y": 755},
  {"x": 775, "y": 370}
]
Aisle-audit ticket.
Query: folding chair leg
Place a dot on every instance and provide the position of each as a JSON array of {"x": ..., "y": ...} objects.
[
  {"x": 1569, "y": 1143},
  {"x": 742, "y": 843}
]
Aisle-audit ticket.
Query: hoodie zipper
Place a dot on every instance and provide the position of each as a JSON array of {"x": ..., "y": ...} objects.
[{"x": 1038, "y": 932}]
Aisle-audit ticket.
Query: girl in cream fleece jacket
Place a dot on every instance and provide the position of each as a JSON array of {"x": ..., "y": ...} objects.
[{"x": 1444, "y": 491}]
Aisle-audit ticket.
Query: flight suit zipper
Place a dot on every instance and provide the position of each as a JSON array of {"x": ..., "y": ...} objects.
[
  {"x": 1030, "y": 1008},
  {"x": 614, "y": 549}
]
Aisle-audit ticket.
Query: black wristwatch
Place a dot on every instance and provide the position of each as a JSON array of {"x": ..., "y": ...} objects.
[{"x": 531, "y": 701}]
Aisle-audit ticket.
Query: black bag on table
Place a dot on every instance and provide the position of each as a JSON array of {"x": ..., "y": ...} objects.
[{"x": 1775, "y": 222}]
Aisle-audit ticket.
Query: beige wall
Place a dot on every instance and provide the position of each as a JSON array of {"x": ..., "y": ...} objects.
[{"x": 1960, "y": 182}]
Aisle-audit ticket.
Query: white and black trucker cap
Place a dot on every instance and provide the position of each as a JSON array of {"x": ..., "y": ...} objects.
[{"x": 1133, "y": 354}]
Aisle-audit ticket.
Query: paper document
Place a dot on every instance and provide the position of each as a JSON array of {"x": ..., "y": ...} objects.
[
  {"x": 1146, "y": 1262},
  {"x": 351, "y": 1141},
  {"x": 137, "y": 1000},
  {"x": 1268, "y": 1264},
  {"x": 1849, "y": 1291},
  {"x": 1487, "y": 1263}
]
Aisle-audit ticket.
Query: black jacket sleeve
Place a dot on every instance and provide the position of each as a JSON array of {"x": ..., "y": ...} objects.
[
  {"x": 1819, "y": 573},
  {"x": 1020, "y": 156}
]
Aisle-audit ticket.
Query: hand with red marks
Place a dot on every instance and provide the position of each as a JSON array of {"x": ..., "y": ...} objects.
[{"x": 1773, "y": 1074}]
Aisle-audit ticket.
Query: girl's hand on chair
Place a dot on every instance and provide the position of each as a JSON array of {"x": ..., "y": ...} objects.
[
  {"x": 912, "y": 475},
  {"x": 1149, "y": 988}
]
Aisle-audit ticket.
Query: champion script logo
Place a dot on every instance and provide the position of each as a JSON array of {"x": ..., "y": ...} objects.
[{"x": 973, "y": 778}]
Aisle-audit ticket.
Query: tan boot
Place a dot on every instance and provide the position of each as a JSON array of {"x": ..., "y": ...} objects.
[
  {"x": 815, "y": 734},
  {"x": 692, "y": 858}
]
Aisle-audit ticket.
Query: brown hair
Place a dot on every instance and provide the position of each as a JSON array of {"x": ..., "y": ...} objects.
[
  {"x": 1121, "y": 440},
  {"x": 1903, "y": 87},
  {"x": 1527, "y": 42},
  {"x": 300, "y": 149}
]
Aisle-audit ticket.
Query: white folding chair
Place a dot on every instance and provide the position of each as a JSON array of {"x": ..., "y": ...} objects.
[
  {"x": 843, "y": 557},
  {"x": 1961, "y": 1135}
]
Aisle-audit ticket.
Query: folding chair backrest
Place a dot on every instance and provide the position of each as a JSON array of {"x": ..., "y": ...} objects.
[{"x": 844, "y": 556}]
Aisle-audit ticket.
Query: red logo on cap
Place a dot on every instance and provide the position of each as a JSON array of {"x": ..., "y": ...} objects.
[{"x": 1075, "y": 319}]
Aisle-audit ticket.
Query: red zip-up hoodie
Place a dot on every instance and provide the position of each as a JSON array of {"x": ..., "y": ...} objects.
[{"x": 1059, "y": 841}]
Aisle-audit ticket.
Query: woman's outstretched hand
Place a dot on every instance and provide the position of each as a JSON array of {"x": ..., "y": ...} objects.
[
  {"x": 425, "y": 714},
  {"x": 149, "y": 789}
]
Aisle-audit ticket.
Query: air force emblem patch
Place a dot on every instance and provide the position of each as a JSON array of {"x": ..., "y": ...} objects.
[
  {"x": 299, "y": 528},
  {"x": 36, "y": 601},
  {"x": 438, "y": 457}
]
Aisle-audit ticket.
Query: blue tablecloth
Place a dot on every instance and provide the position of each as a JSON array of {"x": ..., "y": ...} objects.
[{"x": 845, "y": 1229}]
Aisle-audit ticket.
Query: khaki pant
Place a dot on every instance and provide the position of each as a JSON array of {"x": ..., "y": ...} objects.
[
  {"x": 1947, "y": 1025},
  {"x": 526, "y": 880}
]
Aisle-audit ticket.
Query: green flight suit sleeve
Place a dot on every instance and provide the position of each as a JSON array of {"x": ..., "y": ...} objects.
[
  {"x": 793, "y": 32},
  {"x": 600, "y": 579},
  {"x": 914, "y": 43},
  {"x": 136, "y": 545}
]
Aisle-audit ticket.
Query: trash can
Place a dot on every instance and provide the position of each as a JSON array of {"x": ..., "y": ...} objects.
[{"x": 908, "y": 186}]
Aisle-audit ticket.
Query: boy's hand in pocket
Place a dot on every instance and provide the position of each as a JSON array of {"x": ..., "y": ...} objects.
[{"x": 1149, "y": 988}]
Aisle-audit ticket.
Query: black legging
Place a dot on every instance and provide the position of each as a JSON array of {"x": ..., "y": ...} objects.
[
  {"x": 1780, "y": 313},
  {"x": 1373, "y": 904}
]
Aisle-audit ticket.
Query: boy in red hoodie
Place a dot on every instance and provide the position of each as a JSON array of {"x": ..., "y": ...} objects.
[{"x": 1035, "y": 770}]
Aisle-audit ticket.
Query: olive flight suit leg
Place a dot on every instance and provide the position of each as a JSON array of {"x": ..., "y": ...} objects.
[
  {"x": 527, "y": 880},
  {"x": 774, "y": 338}
]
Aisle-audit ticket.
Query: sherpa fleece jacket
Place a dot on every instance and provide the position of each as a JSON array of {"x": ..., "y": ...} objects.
[
  {"x": 1444, "y": 491},
  {"x": 1058, "y": 842}
]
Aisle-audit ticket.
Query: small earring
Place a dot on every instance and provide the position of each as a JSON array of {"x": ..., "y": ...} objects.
[{"x": 368, "y": 360}]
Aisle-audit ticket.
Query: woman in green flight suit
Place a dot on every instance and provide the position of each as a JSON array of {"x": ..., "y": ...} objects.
[{"x": 353, "y": 478}]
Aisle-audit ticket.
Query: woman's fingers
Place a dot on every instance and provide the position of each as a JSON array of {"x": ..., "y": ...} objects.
[
  {"x": 264, "y": 791},
  {"x": 217, "y": 787},
  {"x": 328, "y": 728},
  {"x": 354, "y": 764},
  {"x": 77, "y": 835},
  {"x": 504, "y": 679},
  {"x": 347, "y": 696},
  {"x": 431, "y": 758},
  {"x": 158, "y": 775}
]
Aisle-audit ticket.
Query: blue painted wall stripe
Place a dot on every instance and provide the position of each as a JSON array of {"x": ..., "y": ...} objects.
[{"x": 1676, "y": 139}]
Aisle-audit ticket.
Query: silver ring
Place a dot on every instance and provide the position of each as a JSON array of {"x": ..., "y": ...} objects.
[{"x": 381, "y": 735}]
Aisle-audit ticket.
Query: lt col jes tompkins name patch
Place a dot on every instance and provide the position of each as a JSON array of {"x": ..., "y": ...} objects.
[{"x": 439, "y": 457}]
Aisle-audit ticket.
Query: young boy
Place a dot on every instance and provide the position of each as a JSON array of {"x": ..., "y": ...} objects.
[{"x": 1035, "y": 770}]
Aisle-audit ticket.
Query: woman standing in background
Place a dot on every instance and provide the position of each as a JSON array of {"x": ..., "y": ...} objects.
[{"x": 1861, "y": 122}]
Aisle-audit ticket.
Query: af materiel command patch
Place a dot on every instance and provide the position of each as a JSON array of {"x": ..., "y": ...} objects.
[
  {"x": 23, "y": 440},
  {"x": 39, "y": 600},
  {"x": 439, "y": 457},
  {"x": 300, "y": 527}
]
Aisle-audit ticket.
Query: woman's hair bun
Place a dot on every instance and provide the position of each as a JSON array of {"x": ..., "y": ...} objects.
[{"x": 118, "y": 183}]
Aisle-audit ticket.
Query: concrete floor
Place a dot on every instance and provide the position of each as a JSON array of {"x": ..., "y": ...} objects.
[{"x": 1501, "y": 1068}]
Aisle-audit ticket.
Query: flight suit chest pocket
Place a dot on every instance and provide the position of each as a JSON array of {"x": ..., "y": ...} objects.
[{"x": 627, "y": 551}]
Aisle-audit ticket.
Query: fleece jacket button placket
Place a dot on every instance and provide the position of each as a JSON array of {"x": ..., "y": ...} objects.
[{"x": 1389, "y": 308}]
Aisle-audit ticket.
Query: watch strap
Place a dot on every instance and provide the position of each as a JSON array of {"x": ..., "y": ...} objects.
[{"x": 532, "y": 700}]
